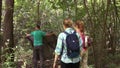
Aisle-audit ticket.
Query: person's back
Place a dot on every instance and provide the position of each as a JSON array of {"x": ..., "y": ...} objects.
[
  {"x": 66, "y": 62},
  {"x": 38, "y": 37},
  {"x": 64, "y": 57},
  {"x": 72, "y": 44},
  {"x": 37, "y": 43}
]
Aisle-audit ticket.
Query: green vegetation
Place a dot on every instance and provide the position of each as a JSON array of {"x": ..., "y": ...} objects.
[{"x": 101, "y": 18}]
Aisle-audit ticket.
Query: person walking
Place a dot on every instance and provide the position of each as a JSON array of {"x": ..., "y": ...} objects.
[
  {"x": 68, "y": 54},
  {"x": 79, "y": 27}
]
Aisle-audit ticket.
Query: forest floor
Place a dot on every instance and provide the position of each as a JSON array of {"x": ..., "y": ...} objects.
[{"x": 47, "y": 64}]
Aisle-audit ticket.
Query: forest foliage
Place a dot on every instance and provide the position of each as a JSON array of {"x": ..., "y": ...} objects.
[{"x": 101, "y": 18}]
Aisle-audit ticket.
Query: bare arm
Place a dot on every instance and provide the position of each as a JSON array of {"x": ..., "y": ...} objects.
[
  {"x": 55, "y": 60},
  {"x": 28, "y": 35}
]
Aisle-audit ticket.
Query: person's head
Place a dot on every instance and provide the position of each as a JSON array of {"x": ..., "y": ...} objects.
[
  {"x": 37, "y": 27},
  {"x": 79, "y": 25},
  {"x": 67, "y": 23}
]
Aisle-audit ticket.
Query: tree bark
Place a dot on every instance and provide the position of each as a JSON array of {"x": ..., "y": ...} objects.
[
  {"x": 76, "y": 9},
  {"x": 0, "y": 14},
  {"x": 38, "y": 12},
  {"x": 8, "y": 27},
  {"x": 0, "y": 30}
]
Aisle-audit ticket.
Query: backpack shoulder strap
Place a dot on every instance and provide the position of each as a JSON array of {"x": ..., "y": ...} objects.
[
  {"x": 74, "y": 32},
  {"x": 66, "y": 33}
]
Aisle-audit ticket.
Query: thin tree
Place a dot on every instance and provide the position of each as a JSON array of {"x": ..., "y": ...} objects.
[
  {"x": 76, "y": 9},
  {"x": 0, "y": 29},
  {"x": 38, "y": 12}
]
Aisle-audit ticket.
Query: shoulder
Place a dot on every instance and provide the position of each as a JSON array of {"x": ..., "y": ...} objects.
[
  {"x": 61, "y": 35},
  {"x": 77, "y": 34},
  {"x": 32, "y": 32}
]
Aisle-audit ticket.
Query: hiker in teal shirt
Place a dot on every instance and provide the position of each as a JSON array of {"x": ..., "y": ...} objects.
[
  {"x": 38, "y": 42},
  {"x": 38, "y": 35}
]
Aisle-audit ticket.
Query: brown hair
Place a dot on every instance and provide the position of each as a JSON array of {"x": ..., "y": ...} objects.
[
  {"x": 67, "y": 22},
  {"x": 80, "y": 25},
  {"x": 38, "y": 26}
]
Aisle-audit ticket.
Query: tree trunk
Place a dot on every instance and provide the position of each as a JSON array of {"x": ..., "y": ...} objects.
[
  {"x": 38, "y": 13},
  {"x": 8, "y": 28},
  {"x": 0, "y": 15},
  {"x": 76, "y": 9},
  {"x": 0, "y": 30}
]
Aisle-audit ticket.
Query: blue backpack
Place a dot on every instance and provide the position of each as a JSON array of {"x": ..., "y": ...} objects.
[{"x": 72, "y": 44}]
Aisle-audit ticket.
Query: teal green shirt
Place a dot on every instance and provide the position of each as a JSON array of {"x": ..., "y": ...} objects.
[{"x": 38, "y": 37}]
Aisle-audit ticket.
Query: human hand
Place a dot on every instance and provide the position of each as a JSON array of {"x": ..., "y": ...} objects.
[{"x": 27, "y": 34}]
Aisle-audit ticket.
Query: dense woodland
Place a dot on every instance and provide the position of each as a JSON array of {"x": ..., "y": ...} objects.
[{"x": 17, "y": 17}]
